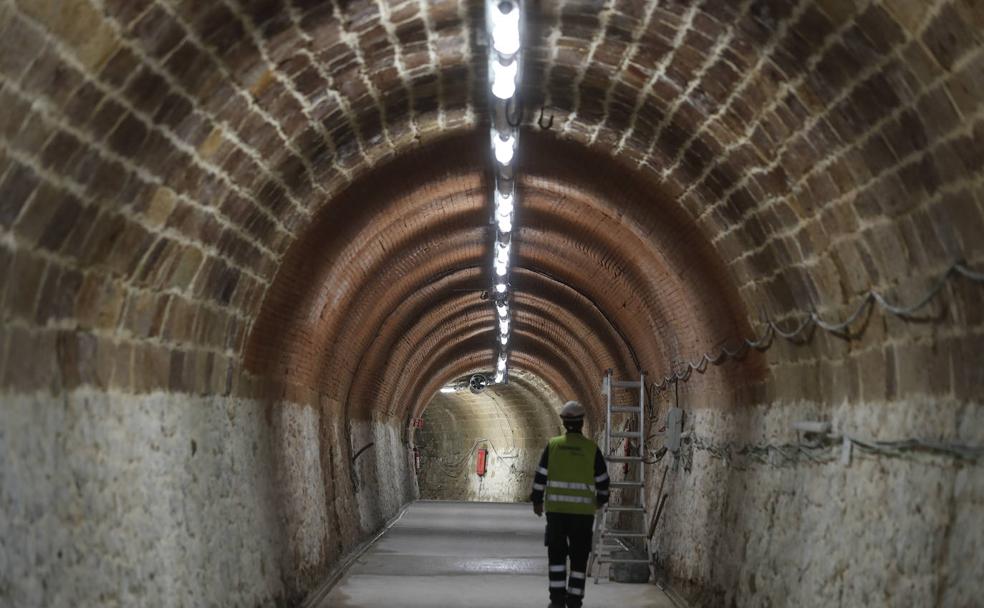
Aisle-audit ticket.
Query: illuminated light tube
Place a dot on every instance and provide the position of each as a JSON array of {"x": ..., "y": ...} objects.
[
  {"x": 504, "y": 79},
  {"x": 447, "y": 389},
  {"x": 502, "y": 255},
  {"x": 505, "y": 148},
  {"x": 503, "y": 203},
  {"x": 505, "y": 28},
  {"x": 505, "y": 225}
]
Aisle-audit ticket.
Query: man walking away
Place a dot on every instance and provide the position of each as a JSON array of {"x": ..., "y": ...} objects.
[{"x": 573, "y": 475}]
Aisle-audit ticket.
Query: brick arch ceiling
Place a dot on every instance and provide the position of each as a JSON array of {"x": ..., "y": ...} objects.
[
  {"x": 806, "y": 150},
  {"x": 413, "y": 222},
  {"x": 737, "y": 115},
  {"x": 450, "y": 307}
]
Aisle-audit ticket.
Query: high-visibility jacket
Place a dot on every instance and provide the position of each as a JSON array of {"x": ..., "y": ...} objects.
[{"x": 569, "y": 469}]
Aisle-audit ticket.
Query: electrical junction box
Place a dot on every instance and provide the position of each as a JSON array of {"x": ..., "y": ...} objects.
[{"x": 674, "y": 425}]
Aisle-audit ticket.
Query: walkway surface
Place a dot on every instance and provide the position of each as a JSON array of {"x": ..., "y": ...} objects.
[{"x": 475, "y": 555}]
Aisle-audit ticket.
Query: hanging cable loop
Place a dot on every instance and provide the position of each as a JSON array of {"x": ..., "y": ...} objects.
[{"x": 803, "y": 332}]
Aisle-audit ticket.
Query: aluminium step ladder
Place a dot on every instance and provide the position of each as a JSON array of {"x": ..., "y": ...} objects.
[{"x": 607, "y": 537}]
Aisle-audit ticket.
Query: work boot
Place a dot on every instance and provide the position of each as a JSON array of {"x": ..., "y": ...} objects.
[{"x": 556, "y": 605}]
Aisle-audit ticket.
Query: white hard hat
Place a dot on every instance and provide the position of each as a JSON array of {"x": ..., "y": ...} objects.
[{"x": 572, "y": 410}]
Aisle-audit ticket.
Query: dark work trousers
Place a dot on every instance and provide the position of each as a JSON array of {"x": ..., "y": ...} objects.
[{"x": 568, "y": 535}]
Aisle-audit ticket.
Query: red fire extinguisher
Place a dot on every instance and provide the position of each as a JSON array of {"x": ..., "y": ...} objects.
[{"x": 481, "y": 462}]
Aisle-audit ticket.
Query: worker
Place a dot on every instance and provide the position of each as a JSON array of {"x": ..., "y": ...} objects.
[{"x": 573, "y": 475}]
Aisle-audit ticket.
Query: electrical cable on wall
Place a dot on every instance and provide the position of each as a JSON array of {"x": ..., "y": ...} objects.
[
  {"x": 831, "y": 447},
  {"x": 454, "y": 469},
  {"x": 801, "y": 333}
]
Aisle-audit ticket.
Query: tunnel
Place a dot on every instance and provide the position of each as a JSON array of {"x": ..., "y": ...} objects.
[{"x": 247, "y": 323}]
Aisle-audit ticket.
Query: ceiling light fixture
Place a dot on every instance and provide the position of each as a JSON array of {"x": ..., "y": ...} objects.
[
  {"x": 505, "y": 148},
  {"x": 505, "y": 28},
  {"x": 503, "y": 20},
  {"x": 504, "y": 79}
]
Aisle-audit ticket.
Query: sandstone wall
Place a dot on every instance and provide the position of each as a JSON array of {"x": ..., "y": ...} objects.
[
  {"x": 171, "y": 500},
  {"x": 513, "y": 423},
  {"x": 749, "y": 526}
]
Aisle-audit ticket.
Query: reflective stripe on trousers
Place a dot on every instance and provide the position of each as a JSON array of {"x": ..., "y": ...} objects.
[
  {"x": 558, "y": 576},
  {"x": 568, "y": 537},
  {"x": 575, "y": 586}
]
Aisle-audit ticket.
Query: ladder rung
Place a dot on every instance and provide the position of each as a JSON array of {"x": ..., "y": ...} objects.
[
  {"x": 623, "y": 458},
  {"x": 625, "y": 484},
  {"x": 635, "y": 434},
  {"x": 625, "y": 410},
  {"x": 625, "y": 560},
  {"x": 626, "y": 509},
  {"x": 626, "y": 384},
  {"x": 625, "y": 534}
]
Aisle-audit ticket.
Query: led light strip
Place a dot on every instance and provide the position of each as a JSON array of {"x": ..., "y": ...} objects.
[{"x": 503, "y": 18}]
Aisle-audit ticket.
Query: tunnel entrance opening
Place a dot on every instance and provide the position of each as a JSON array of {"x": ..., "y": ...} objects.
[{"x": 505, "y": 426}]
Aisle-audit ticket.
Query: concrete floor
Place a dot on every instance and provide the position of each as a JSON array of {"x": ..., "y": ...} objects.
[{"x": 460, "y": 554}]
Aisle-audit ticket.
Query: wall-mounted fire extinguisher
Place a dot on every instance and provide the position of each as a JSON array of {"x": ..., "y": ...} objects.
[{"x": 481, "y": 463}]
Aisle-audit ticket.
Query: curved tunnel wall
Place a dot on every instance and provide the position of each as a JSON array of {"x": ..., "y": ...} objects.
[
  {"x": 222, "y": 230},
  {"x": 511, "y": 422}
]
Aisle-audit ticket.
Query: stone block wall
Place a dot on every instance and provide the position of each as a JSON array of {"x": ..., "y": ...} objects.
[
  {"x": 140, "y": 225},
  {"x": 171, "y": 499},
  {"x": 781, "y": 527},
  {"x": 223, "y": 222}
]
